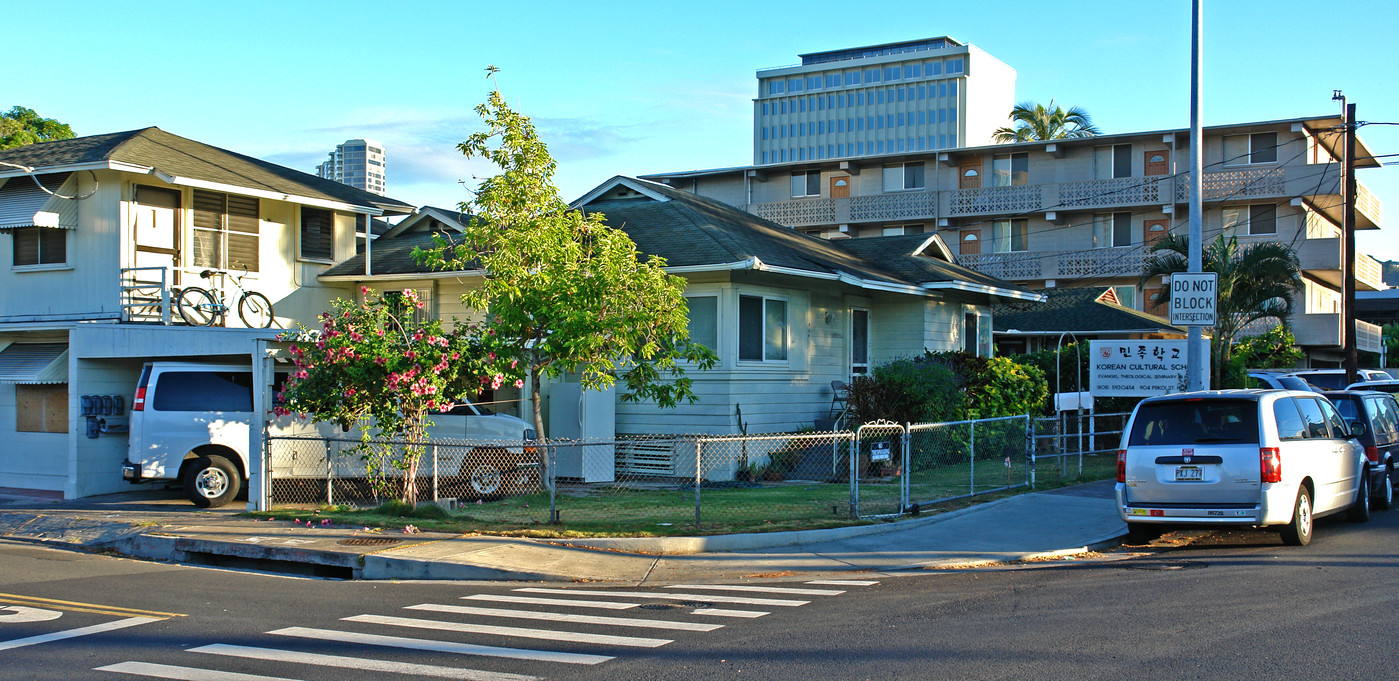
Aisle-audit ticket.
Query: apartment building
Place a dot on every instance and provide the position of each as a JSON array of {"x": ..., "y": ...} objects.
[
  {"x": 358, "y": 163},
  {"x": 1085, "y": 211},
  {"x": 919, "y": 95}
]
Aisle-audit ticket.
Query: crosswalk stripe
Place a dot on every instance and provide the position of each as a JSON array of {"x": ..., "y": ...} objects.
[
  {"x": 719, "y": 612},
  {"x": 760, "y": 589},
  {"x": 81, "y": 631},
  {"x": 575, "y": 637},
  {"x": 441, "y": 646},
  {"x": 165, "y": 671},
  {"x": 296, "y": 657},
  {"x": 843, "y": 582},
  {"x": 562, "y": 617},
  {"x": 776, "y": 602},
  {"x": 604, "y": 605}
]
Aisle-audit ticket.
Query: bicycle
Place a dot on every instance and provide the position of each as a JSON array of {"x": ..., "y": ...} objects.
[{"x": 200, "y": 307}]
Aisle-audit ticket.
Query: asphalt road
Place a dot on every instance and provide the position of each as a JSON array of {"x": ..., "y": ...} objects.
[{"x": 1227, "y": 605}]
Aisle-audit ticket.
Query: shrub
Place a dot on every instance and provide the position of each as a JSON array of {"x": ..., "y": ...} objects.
[{"x": 947, "y": 386}]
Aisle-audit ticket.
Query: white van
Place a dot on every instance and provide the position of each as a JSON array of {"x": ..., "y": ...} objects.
[{"x": 189, "y": 424}]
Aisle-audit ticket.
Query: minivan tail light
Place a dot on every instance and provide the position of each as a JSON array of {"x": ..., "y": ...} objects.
[
  {"x": 1122, "y": 465},
  {"x": 1372, "y": 453},
  {"x": 139, "y": 404},
  {"x": 1270, "y": 464}
]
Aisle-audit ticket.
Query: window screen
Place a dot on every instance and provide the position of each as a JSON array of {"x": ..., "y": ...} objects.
[{"x": 317, "y": 234}]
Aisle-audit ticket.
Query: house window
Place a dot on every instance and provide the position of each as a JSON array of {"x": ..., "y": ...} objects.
[
  {"x": 762, "y": 329},
  {"x": 1126, "y": 296},
  {"x": 900, "y": 230},
  {"x": 1260, "y": 147},
  {"x": 1010, "y": 170},
  {"x": 1112, "y": 230},
  {"x": 411, "y": 314},
  {"x": 704, "y": 320},
  {"x": 1259, "y": 219},
  {"x": 1113, "y": 161},
  {"x": 859, "y": 342},
  {"x": 903, "y": 176},
  {"x": 41, "y": 408},
  {"x": 969, "y": 332},
  {"x": 225, "y": 234},
  {"x": 40, "y": 246},
  {"x": 1009, "y": 236},
  {"x": 317, "y": 235},
  {"x": 806, "y": 183}
]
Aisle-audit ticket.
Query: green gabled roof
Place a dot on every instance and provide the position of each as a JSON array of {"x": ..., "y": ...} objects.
[
  {"x": 1080, "y": 310},
  {"x": 177, "y": 156},
  {"x": 391, "y": 255}
]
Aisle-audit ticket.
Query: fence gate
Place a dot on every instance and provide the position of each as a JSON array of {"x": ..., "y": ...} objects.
[
  {"x": 878, "y": 481},
  {"x": 960, "y": 459}
]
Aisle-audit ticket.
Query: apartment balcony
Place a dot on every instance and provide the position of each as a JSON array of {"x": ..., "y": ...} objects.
[
  {"x": 893, "y": 206},
  {"x": 1114, "y": 193},
  {"x": 1024, "y": 266},
  {"x": 1322, "y": 259},
  {"x": 997, "y": 200},
  {"x": 1324, "y": 330}
]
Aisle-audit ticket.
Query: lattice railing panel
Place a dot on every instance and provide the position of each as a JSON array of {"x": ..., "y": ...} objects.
[
  {"x": 991, "y": 200},
  {"x": 895, "y": 206},
  {"x": 802, "y": 212},
  {"x": 1005, "y": 265}
]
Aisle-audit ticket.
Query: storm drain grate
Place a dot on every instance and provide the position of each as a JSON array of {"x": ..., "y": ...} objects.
[{"x": 368, "y": 541}]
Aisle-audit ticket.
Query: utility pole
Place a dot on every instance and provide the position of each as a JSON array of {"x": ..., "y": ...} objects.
[
  {"x": 1197, "y": 349},
  {"x": 1348, "y": 191}
]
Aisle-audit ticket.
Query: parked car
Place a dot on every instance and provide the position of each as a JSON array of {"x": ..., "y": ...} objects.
[
  {"x": 1335, "y": 379},
  {"x": 1374, "y": 421},
  {"x": 1276, "y": 381},
  {"x": 1264, "y": 458},
  {"x": 1377, "y": 386},
  {"x": 190, "y": 423}
]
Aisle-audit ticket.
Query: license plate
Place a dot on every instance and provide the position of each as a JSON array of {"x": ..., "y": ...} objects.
[{"x": 1189, "y": 474}]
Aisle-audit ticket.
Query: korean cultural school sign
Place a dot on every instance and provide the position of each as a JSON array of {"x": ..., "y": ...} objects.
[{"x": 1136, "y": 368}]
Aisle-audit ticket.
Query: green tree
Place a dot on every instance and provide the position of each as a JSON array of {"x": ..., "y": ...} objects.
[
  {"x": 565, "y": 292},
  {"x": 369, "y": 366},
  {"x": 20, "y": 126},
  {"x": 1256, "y": 282},
  {"x": 1034, "y": 121},
  {"x": 1275, "y": 348}
]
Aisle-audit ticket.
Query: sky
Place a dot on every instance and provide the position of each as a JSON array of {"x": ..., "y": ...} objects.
[{"x": 630, "y": 88}]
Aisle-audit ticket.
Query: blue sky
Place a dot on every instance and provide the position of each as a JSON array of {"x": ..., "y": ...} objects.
[{"x": 626, "y": 88}]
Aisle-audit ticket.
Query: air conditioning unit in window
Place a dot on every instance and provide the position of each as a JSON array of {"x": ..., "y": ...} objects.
[{"x": 844, "y": 228}]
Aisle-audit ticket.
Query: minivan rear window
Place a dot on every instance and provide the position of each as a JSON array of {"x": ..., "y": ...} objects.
[
  {"x": 1325, "y": 381},
  {"x": 204, "y": 391},
  {"x": 1195, "y": 422}
]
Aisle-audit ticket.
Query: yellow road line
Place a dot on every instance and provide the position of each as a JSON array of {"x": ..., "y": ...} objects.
[{"x": 79, "y": 606}]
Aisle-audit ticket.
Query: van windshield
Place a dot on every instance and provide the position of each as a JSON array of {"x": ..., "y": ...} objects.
[{"x": 1187, "y": 422}]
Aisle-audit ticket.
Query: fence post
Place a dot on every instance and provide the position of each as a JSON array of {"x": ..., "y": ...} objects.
[
  {"x": 971, "y": 481},
  {"x": 552, "y": 482},
  {"x": 1030, "y": 444},
  {"x": 854, "y": 481},
  {"x": 434, "y": 471},
  {"x": 907, "y": 467},
  {"x": 699, "y": 477},
  {"x": 329, "y": 476}
]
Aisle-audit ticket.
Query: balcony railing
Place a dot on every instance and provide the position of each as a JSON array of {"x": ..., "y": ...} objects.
[
  {"x": 1324, "y": 330},
  {"x": 1323, "y": 258},
  {"x": 798, "y": 212},
  {"x": 1241, "y": 183},
  {"x": 1101, "y": 262},
  {"x": 1122, "y": 191},
  {"x": 997, "y": 200},
  {"x": 145, "y": 295},
  {"x": 893, "y": 206},
  {"x": 1009, "y": 266}
]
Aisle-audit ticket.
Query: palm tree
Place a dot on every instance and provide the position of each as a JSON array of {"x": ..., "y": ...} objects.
[
  {"x": 1035, "y": 121},
  {"x": 1256, "y": 282}
]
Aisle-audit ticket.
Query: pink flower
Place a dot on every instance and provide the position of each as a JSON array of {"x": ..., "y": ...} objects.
[
  {"x": 514, "y": 362},
  {"x": 490, "y": 356},
  {"x": 379, "y": 332},
  {"x": 364, "y": 290},
  {"x": 519, "y": 383},
  {"x": 455, "y": 355}
]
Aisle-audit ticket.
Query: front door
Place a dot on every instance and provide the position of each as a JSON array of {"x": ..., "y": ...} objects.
[
  {"x": 840, "y": 187},
  {"x": 1155, "y": 229},
  {"x": 156, "y": 230},
  {"x": 1156, "y": 163},
  {"x": 970, "y": 241},
  {"x": 970, "y": 176}
]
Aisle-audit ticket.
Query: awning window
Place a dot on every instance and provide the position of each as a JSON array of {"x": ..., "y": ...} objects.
[
  {"x": 34, "y": 363},
  {"x": 24, "y": 204}
]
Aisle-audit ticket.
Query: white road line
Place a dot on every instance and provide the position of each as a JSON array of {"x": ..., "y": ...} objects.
[
  {"x": 165, "y": 671},
  {"x": 776, "y": 602},
  {"x": 73, "y": 633},
  {"x": 295, "y": 657},
  {"x": 441, "y": 646},
  {"x": 760, "y": 589},
  {"x": 604, "y": 605},
  {"x": 575, "y": 637},
  {"x": 843, "y": 582},
  {"x": 562, "y": 617},
  {"x": 719, "y": 612}
]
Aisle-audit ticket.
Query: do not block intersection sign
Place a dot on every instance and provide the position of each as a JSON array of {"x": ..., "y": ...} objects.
[{"x": 1194, "y": 298}]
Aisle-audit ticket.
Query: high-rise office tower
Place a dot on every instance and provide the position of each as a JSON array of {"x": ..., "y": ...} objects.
[{"x": 358, "y": 163}]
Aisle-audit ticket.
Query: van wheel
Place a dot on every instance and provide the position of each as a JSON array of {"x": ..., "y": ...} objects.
[
  {"x": 1360, "y": 510},
  {"x": 211, "y": 481},
  {"x": 1299, "y": 531},
  {"x": 1384, "y": 496},
  {"x": 1139, "y": 533}
]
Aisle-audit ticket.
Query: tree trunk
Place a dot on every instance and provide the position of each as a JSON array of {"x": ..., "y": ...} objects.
[{"x": 540, "y": 448}]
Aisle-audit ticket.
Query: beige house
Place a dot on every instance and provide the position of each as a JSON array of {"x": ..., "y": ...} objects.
[
  {"x": 97, "y": 237},
  {"x": 1084, "y": 212}
]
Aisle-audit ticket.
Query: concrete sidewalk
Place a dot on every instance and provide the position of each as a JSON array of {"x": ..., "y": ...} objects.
[{"x": 146, "y": 526}]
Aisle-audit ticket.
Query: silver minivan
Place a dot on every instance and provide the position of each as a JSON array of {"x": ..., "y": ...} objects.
[{"x": 1266, "y": 458}]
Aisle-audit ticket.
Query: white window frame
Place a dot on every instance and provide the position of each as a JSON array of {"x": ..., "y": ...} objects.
[
  {"x": 1234, "y": 158},
  {"x": 856, "y": 368},
  {"x": 1109, "y": 220},
  {"x": 806, "y": 180},
  {"x": 1238, "y": 220},
  {"x": 786, "y": 330},
  {"x": 903, "y": 178},
  {"x": 1003, "y": 166},
  {"x": 717, "y": 317},
  {"x": 1009, "y": 237}
]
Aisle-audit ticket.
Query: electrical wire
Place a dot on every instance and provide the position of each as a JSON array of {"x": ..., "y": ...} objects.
[{"x": 29, "y": 172}]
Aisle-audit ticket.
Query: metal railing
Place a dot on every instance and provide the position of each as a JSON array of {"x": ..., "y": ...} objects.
[
  {"x": 1076, "y": 444},
  {"x": 145, "y": 295}
]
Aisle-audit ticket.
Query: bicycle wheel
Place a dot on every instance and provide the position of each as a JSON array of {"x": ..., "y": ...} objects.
[
  {"x": 197, "y": 307},
  {"x": 255, "y": 310}
]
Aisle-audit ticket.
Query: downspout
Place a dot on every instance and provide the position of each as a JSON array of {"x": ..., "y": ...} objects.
[{"x": 368, "y": 234}]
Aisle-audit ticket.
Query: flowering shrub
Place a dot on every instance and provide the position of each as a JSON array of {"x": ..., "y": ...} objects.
[{"x": 369, "y": 365}]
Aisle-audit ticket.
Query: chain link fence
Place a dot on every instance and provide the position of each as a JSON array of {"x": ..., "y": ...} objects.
[
  {"x": 773, "y": 481},
  {"x": 1073, "y": 446}
]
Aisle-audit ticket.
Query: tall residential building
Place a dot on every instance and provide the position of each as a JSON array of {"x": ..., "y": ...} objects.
[
  {"x": 358, "y": 163},
  {"x": 912, "y": 96}
]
